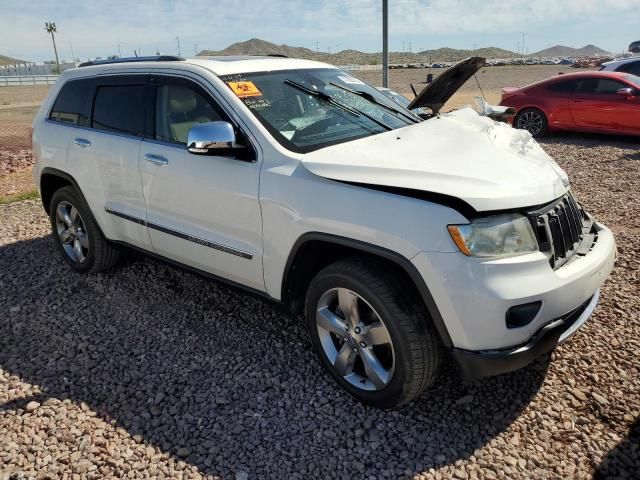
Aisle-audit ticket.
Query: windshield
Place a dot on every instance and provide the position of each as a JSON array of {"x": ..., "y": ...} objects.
[
  {"x": 396, "y": 97},
  {"x": 305, "y": 112}
]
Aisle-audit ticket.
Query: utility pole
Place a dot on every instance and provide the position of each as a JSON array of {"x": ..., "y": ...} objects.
[
  {"x": 119, "y": 50},
  {"x": 385, "y": 43},
  {"x": 50, "y": 27},
  {"x": 523, "y": 35},
  {"x": 178, "y": 45},
  {"x": 73, "y": 55}
]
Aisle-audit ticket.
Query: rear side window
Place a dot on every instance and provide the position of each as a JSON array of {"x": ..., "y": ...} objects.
[
  {"x": 71, "y": 106},
  {"x": 566, "y": 86},
  {"x": 120, "y": 109},
  {"x": 631, "y": 67}
]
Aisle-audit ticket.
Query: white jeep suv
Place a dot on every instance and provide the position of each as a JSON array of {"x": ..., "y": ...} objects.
[{"x": 404, "y": 240}]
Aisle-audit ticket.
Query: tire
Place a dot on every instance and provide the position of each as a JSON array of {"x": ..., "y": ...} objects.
[
  {"x": 401, "y": 360},
  {"x": 77, "y": 235},
  {"x": 533, "y": 120}
]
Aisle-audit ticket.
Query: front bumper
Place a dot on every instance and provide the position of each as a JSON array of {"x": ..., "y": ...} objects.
[
  {"x": 473, "y": 295},
  {"x": 477, "y": 364}
]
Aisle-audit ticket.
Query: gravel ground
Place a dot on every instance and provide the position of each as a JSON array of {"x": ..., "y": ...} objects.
[
  {"x": 14, "y": 160},
  {"x": 146, "y": 371}
]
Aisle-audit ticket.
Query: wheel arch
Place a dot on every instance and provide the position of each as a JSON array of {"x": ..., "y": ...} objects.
[
  {"x": 314, "y": 250},
  {"x": 534, "y": 106},
  {"x": 51, "y": 180}
]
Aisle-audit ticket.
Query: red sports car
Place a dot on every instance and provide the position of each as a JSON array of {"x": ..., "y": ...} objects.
[{"x": 605, "y": 102}]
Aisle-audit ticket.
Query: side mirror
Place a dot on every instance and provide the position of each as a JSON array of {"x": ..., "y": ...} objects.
[
  {"x": 212, "y": 138},
  {"x": 626, "y": 92}
]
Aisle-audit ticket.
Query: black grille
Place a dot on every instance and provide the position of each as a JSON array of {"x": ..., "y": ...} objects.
[{"x": 563, "y": 229}]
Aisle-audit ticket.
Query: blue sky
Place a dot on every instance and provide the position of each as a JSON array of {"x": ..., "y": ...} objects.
[{"x": 97, "y": 28}]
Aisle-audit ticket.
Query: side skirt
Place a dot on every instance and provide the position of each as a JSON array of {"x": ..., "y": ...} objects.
[{"x": 230, "y": 283}]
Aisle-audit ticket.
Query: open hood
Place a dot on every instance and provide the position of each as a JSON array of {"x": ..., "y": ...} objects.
[
  {"x": 487, "y": 164},
  {"x": 436, "y": 94}
]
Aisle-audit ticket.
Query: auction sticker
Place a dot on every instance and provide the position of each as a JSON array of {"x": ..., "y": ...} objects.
[
  {"x": 350, "y": 80},
  {"x": 245, "y": 89}
]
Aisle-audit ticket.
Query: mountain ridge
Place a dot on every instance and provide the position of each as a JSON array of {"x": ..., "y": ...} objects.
[
  {"x": 257, "y": 46},
  {"x": 9, "y": 61},
  {"x": 564, "y": 51}
]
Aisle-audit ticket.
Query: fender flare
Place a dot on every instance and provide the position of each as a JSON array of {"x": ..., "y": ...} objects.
[{"x": 400, "y": 260}]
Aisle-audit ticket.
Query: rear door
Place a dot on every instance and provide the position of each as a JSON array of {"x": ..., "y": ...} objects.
[
  {"x": 596, "y": 105},
  {"x": 202, "y": 211},
  {"x": 105, "y": 155}
]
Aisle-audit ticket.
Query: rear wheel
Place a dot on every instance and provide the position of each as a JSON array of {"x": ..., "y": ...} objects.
[
  {"x": 77, "y": 235},
  {"x": 532, "y": 120},
  {"x": 373, "y": 338}
]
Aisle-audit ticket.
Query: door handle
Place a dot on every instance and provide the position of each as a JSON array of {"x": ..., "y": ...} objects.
[
  {"x": 82, "y": 142},
  {"x": 157, "y": 159}
]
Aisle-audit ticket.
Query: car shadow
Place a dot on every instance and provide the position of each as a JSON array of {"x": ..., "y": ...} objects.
[
  {"x": 593, "y": 139},
  {"x": 216, "y": 377},
  {"x": 623, "y": 461}
]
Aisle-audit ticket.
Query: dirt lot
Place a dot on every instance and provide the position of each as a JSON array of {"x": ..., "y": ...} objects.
[{"x": 491, "y": 79}]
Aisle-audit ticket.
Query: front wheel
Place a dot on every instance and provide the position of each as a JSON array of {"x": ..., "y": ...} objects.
[
  {"x": 532, "y": 120},
  {"x": 373, "y": 338}
]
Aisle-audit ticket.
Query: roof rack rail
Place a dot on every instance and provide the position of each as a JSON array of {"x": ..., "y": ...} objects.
[
  {"x": 280, "y": 55},
  {"x": 155, "y": 58}
]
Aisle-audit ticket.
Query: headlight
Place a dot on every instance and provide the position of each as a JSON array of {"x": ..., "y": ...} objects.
[{"x": 495, "y": 236}]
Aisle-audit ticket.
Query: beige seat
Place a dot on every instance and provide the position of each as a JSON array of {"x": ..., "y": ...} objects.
[{"x": 183, "y": 105}]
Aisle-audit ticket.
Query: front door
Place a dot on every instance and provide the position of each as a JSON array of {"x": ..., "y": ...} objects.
[
  {"x": 596, "y": 105},
  {"x": 202, "y": 210}
]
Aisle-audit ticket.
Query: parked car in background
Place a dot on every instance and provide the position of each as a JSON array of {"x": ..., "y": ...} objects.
[
  {"x": 600, "y": 102},
  {"x": 626, "y": 65}
]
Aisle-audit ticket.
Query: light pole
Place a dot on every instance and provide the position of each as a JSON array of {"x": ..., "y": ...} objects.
[
  {"x": 50, "y": 27},
  {"x": 119, "y": 50},
  {"x": 385, "y": 43},
  {"x": 523, "y": 35}
]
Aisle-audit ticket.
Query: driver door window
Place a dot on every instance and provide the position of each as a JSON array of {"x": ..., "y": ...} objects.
[{"x": 178, "y": 108}]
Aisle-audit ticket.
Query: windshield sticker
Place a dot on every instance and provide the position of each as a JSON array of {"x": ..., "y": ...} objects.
[
  {"x": 350, "y": 80},
  {"x": 245, "y": 89}
]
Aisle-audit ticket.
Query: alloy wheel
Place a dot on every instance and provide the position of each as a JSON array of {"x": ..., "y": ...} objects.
[
  {"x": 72, "y": 232},
  {"x": 355, "y": 340},
  {"x": 531, "y": 121}
]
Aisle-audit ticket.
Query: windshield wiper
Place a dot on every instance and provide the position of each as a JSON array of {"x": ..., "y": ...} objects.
[
  {"x": 374, "y": 100},
  {"x": 328, "y": 98}
]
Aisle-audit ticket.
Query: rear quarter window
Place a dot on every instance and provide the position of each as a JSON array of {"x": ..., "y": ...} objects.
[
  {"x": 120, "y": 109},
  {"x": 566, "y": 86},
  {"x": 71, "y": 105}
]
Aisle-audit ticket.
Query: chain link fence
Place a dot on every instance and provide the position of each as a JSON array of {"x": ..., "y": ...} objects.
[{"x": 18, "y": 106}]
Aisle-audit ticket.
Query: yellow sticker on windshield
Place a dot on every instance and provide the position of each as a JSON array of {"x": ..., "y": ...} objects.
[{"x": 245, "y": 89}]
